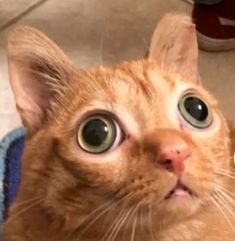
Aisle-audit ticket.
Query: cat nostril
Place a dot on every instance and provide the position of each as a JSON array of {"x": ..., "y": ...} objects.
[
  {"x": 167, "y": 164},
  {"x": 173, "y": 160},
  {"x": 173, "y": 151}
]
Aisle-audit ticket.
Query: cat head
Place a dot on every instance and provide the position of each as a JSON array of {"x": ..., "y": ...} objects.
[{"x": 137, "y": 136}]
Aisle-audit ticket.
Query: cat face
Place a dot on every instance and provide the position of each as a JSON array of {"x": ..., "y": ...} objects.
[
  {"x": 142, "y": 136},
  {"x": 125, "y": 161}
]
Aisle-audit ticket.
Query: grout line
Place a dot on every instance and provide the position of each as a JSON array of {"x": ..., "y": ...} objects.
[{"x": 18, "y": 17}]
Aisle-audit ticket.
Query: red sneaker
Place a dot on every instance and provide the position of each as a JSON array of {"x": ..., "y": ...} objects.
[{"x": 215, "y": 25}]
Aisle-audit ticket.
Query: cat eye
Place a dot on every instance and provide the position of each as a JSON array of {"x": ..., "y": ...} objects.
[
  {"x": 195, "y": 111},
  {"x": 98, "y": 134}
]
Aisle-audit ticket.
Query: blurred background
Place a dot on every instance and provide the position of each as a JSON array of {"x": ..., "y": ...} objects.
[{"x": 94, "y": 32}]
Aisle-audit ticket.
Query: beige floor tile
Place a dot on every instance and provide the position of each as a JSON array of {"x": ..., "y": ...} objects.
[
  {"x": 11, "y": 9},
  {"x": 123, "y": 29}
]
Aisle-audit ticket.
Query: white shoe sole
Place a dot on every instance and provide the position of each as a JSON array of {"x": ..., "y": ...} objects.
[{"x": 215, "y": 45}]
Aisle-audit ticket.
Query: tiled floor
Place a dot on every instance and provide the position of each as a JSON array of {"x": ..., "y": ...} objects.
[
  {"x": 11, "y": 10},
  {"x": 123, "y": 26}
]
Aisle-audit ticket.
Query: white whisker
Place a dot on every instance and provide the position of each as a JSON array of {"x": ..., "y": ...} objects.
[
  {"x": 151, "y": 223},
  {"x": 115, "y": 233},
  {"x": 227, "y": 191},
  {"x": 223, "y": 213},
  {"x": 25, "y": 202},
  {"x": 95, "y": 219},
  {"x": 225, "y": 173},
  {"x": 133, "y": 229},
  {"x": 131, "y": 213},
  {"x": 222, "y": 202},
  {"x": 226, "y": 196},
  {"x": 100, "y": 208},
  {"x": 101, "y": 47},
  {"x": 24, "y": 210}
]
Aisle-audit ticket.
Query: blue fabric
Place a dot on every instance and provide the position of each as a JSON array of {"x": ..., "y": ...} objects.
[
  {"x": 12, "y": 171},
  {"x": 11, "y": 149}
]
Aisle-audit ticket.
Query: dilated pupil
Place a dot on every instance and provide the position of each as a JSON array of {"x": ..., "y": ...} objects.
[
  {"x": 196, "y": 108},
  {"x": 95, "y": 132}
]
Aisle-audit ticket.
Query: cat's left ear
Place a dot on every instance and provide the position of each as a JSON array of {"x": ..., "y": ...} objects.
[{"x": 174, "y": 46}]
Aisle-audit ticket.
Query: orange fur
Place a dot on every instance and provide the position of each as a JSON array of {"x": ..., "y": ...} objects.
[{"x": 67, "y": 194}]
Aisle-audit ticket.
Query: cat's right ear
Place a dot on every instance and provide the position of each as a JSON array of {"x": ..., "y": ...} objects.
[
  {"x": 174, "y": 46},
  {"x": 39, "y": 72}
]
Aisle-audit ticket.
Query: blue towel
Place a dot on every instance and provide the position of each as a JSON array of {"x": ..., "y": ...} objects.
[{"x": 11, "y": 149}]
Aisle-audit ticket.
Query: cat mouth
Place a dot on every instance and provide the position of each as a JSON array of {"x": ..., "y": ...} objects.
[{"x": 179, "y": 190}]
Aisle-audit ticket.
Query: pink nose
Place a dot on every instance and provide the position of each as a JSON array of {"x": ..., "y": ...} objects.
[{"x": 174, "y": 152}]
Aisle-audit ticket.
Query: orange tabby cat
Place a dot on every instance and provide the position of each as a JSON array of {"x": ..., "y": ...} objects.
[{"x": 134, "y": 152}]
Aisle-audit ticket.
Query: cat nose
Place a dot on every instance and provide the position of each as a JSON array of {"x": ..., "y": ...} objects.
[{"x": 173, "y": 155}]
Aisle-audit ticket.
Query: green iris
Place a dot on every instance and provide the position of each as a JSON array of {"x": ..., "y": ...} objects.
[
  {"x": 97, "y": 134},
  {"x": 195, "y": 111}
]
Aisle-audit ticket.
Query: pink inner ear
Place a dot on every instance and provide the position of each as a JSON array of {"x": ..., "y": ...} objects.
[
  {"x": 189, "y": 54},
  {"x": 32, "y": 97},
  {"x": 174, "y": 46}
]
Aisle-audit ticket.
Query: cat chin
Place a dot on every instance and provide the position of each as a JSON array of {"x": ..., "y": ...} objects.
[{"x": 179, "y": 206}]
